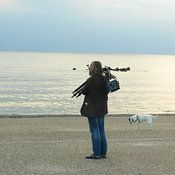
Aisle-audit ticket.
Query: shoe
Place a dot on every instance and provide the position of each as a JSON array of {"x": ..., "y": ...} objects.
[
  {"x": 92, "y": 156},
  {"x": 103, "y": 156}
]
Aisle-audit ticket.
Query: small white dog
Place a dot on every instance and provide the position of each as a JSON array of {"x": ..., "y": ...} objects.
[{"x": 141, "y": 118}]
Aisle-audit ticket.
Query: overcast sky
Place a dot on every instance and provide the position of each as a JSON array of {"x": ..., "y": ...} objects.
[{"x": 88, "y": 26}]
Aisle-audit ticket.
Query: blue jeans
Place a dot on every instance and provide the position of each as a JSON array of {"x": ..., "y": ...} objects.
[{"x": 99, "y": 143}]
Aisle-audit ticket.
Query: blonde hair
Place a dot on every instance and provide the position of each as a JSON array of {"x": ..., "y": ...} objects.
[{"x": 95, "y": 68}]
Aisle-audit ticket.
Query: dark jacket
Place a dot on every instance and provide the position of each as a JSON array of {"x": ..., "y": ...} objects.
[{"x": 96, "y": 97}]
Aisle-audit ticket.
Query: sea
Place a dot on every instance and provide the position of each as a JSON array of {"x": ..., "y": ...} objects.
[{"x": 41, "y": 83}]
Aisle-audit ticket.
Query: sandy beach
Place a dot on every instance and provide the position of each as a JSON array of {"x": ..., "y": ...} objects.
[{"x": 58, "y": 145}]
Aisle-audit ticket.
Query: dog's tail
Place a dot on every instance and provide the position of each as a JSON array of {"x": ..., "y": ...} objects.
[{"x": 155, "y": 116}]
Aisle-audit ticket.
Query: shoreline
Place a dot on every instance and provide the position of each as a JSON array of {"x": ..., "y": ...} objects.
[{"x": 73, "y": 115}]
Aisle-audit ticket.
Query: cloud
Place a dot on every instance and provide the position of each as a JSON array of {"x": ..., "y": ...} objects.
[{"x": 5, "y": 3}]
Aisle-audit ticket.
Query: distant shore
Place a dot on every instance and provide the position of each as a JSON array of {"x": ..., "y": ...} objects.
[{"x": 71, "y": 115}]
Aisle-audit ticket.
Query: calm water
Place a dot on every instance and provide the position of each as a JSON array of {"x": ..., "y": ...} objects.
[{"x": 42, "y": 83}]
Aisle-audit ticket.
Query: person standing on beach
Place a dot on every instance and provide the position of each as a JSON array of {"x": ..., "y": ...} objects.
[{"x": 95, "y": 108}]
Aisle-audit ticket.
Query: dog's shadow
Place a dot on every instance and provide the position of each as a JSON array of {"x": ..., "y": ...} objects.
[{"x": 142, "y": 126}]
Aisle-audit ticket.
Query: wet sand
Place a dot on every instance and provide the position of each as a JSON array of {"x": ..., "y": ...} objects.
[{"x": 58, "y": 145}]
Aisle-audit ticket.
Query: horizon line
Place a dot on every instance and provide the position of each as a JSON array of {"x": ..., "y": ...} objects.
[{"x": 87, "y": 53}]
